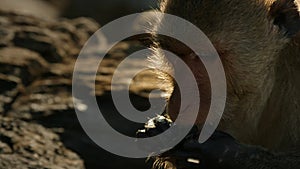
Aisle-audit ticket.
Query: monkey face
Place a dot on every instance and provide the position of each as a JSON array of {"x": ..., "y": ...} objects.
[{"x": 248, "y": 36}]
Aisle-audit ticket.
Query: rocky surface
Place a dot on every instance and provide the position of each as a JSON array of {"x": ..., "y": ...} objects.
[
  {"x": 39, "y": 127},
  {"x": 25, "y": 145}
]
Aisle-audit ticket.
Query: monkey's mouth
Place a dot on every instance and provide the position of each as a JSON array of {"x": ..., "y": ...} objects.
[
  {"x": 159, "y": 124},
  {"x": 154, "y": 127}
]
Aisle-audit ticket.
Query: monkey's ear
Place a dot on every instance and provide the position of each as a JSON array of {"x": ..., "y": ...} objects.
[{"x": 286, "y": 16}]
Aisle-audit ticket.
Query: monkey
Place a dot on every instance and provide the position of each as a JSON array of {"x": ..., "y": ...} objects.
[{"x": 258, "y": 42}]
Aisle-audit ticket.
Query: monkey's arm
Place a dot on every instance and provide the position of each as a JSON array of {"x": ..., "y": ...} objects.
[{"x": 222, "y": 151}]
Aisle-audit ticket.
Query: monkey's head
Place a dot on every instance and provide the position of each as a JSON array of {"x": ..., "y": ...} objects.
[{"x": 248, "y": 36}]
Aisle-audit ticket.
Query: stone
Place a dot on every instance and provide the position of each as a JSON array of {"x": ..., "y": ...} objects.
[
  {"x": 22, "y": 63},
  {"x": 24, "y": 145}
]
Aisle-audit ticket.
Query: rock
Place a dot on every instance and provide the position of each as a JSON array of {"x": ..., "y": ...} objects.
[
  {"x": 6, "y": 35},
  {"x": 24, "y": 145},
  {"x": 53, "y": 40},
  {"x": 10, "y": 88},
  {"x": 22, "y": 63},
  {"x": 28, "y": 48},
  {"x": 46, "y": 97}
]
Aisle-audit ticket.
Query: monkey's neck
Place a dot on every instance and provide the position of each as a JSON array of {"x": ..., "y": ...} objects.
[{"x": 278, "y": 124}]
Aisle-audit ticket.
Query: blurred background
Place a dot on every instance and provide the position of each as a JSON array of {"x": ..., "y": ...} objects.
[
  {"x": 101, "y": 10},
  {"x": 39, "y": 44}
]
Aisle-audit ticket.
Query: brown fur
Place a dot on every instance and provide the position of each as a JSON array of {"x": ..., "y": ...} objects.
[{"x": 259, "y": 48}]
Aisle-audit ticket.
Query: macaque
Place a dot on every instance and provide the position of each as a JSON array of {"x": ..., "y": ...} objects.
[{"x": 258, "y": 44}]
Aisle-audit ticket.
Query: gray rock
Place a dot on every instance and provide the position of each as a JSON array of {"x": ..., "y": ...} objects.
[
  {"x": 24, "y": 145},
  {"x": 10, "y": 88},
  {"x": 28, "y": 48},
  {"x": 22, "y": 63}
]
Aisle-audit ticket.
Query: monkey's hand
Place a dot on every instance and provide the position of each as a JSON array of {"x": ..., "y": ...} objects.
[{"x": 221, "y": 151}]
